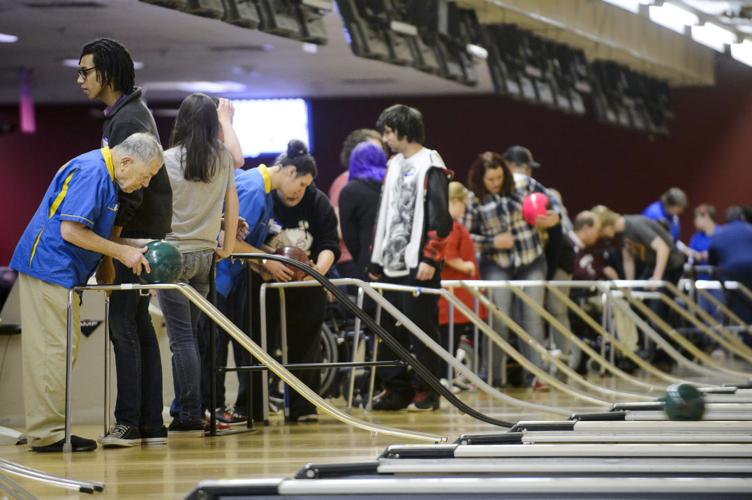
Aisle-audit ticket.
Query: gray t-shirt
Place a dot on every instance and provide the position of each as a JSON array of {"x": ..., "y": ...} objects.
[
  {"x": 639, "y": 233},
  {"x": 197, "y": 206}
]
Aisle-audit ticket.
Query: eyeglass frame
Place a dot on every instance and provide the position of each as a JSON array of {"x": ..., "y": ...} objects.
[{"x": 83, "y": 73}]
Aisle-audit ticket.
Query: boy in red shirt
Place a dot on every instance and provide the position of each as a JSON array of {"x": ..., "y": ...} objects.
[{"x": 460, "y": 264}]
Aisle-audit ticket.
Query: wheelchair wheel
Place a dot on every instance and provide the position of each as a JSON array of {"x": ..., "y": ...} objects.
[{"x": 329, "y": 354}]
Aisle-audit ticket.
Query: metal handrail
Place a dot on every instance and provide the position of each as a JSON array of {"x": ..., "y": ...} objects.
[
  {"x": 618, "y": 344},
  {"x": 501, "y": 342},
  {"x": 664, "y": 344},
  {"x": 622, "y": 285},
  {"x": 725, "y": 310},
  {"x": 722, "y": 337},
  {"x": 257, "y": 352},
  {"x": 370, "y": 290},
  {"x": 542, "y": 374},
  {"x": 418, "y": 367},
  {"x": 586, "y": 348},
  {"x": 44, "y": 477},
  {"x": 712, "y": 322},
  {"x": 515, "y": 287},
  {"x": 679, "y": 339}
]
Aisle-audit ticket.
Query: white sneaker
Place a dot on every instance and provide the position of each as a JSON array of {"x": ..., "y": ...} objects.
[{"x": 121, "y": 436}]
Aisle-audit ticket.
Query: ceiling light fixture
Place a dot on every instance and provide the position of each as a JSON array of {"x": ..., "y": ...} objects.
[
  {"x": 673, "y": 17},
  {"x": 74, "y": 63},
  {"x": 742, "y": 52},
  {"x": 713, "y": 36},
  {"x": 632, "y": 6},
  {"x": 197, "y": 86},
  {"x": 5, "y": 38}
]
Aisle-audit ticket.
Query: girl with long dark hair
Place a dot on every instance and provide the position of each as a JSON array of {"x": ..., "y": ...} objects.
[{"x": 201, "y": 170}]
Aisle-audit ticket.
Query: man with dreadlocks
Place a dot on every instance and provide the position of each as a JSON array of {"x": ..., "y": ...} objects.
[{"x": 106, "y": 74}]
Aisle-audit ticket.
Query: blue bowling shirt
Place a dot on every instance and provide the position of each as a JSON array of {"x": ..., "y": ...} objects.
[
  {"x": 700, "y": 241},
  {"x": 84, "y": 191},
  {"x": 657, "y": 212},
  {"x": 256, "y": 206}
]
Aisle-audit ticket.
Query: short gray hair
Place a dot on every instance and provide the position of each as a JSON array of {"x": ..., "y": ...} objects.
[
  {"x": 142, "y": 146},
  {"x": 674, "y": 197}
]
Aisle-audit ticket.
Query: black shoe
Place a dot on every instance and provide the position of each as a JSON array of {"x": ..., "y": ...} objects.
[
  {"x": 308, "y": 418},
  {"x": 77, "y": 444},
  {"x": 389, "y": 400},
  {"x": 229, "y": 416},
  {"x": 425, "y": 401},
  {"x": 180, "y": 429},
  {"x": 154, "y": 437},
  {"x": 121, "y": 436}
]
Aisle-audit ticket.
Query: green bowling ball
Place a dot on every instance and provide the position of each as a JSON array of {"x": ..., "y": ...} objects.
[
  {"x": 165, "y": 262},
  {"x": 684, "y": 402}
]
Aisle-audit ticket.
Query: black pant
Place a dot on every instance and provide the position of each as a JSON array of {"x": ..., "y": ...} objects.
[
  {"x": 137, "y": 359},
  {"x": 423, "y": 310},
  {"x": 305, "y": 310},
  {"x": 659, "y": 307}
]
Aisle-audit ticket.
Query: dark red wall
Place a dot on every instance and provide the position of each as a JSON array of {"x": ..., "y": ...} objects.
[{"x": 709, "y": 152}]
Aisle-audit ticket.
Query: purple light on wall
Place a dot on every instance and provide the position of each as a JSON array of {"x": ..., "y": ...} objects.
[{"x": 26, "y": 104}]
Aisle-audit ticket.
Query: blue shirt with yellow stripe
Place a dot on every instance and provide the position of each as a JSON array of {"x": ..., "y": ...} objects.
[
  {"x": 84, "y": 191},
  {"x": 256, "y": 206}
]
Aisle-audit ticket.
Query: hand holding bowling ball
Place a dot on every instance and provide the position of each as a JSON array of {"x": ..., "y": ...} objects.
[
  {"x": 165, "y": 262},
  {"x": 295, "y": 253},
  {"x": 533, "y": 205}
]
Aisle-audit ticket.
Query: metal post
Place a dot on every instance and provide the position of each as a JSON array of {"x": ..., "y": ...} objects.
[
  {"x": 605, "y": 323},
  {"x": 213, "y": 355},
  {"x": 107, "y": 364},
  {"x": 265, "y": 347},
  {"x": 450, "y": 346},
  {"x": 356, "y": 340},
  {"x": 69, "y": 372},
  {"x": 372, "y": 381},
  {"x": 264, "y": 358},
  {"x": 283, "y": 341},
  {"x": 476, "y": 336},
  {"x": 490, "y": 348}
]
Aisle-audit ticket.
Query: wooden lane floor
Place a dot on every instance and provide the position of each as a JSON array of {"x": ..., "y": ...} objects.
[{"x": 276, "y": 450}]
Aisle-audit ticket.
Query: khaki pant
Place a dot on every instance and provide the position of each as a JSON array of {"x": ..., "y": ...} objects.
[{"x": 43, "y": 340}]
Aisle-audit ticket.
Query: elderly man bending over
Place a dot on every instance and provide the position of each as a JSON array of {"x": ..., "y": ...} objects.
[{"x": 59, "y": 250}]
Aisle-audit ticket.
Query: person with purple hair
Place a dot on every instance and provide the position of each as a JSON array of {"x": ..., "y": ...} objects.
[{"x": 359, "y": 202}]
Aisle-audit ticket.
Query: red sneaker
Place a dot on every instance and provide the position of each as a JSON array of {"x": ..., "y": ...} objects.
[{"x": 539, "y": 386}]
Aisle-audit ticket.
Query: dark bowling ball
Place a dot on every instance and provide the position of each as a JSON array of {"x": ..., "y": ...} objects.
[
  {"x": 294, "y": 253},
  {"x": 684, "y": 402},
  {"x": 165, "y": 262}
]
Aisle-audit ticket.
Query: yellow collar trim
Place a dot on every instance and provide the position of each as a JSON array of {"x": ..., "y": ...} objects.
[
  {"x": 107, "y": 155},
  {"x": 267, "y": 178}
]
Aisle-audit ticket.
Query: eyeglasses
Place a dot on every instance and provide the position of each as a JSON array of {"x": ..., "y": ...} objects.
[{"x": 82, "y": 72}]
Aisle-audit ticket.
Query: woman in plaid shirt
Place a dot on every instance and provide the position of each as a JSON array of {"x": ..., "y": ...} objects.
[{"x": 509, "y": 247}]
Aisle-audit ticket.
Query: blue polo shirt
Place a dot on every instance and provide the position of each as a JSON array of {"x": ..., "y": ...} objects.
[
  {"x": 700, "y": 241},
  {"x": 657, "y": 212},
  {"x": 83, "y": 191},
  {"x": 731, "y": 250},
  {"x": 257, "y": 208}
]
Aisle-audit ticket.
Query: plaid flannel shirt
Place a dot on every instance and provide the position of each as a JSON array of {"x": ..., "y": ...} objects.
[{"x": 496, "y": 214}]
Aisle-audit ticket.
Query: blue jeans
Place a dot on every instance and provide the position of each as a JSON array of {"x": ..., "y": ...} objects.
[
  {"x": 531, "y": 322},
  {"x": 181, "y": 317},
  {"x": 137, "y": 360}
]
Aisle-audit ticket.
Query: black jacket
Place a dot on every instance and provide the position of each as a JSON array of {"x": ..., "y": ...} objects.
[
  {"x": 358, "y": 209},
  {"x": 312, "y": 220},
  {"x": 146, "y": 213}
]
